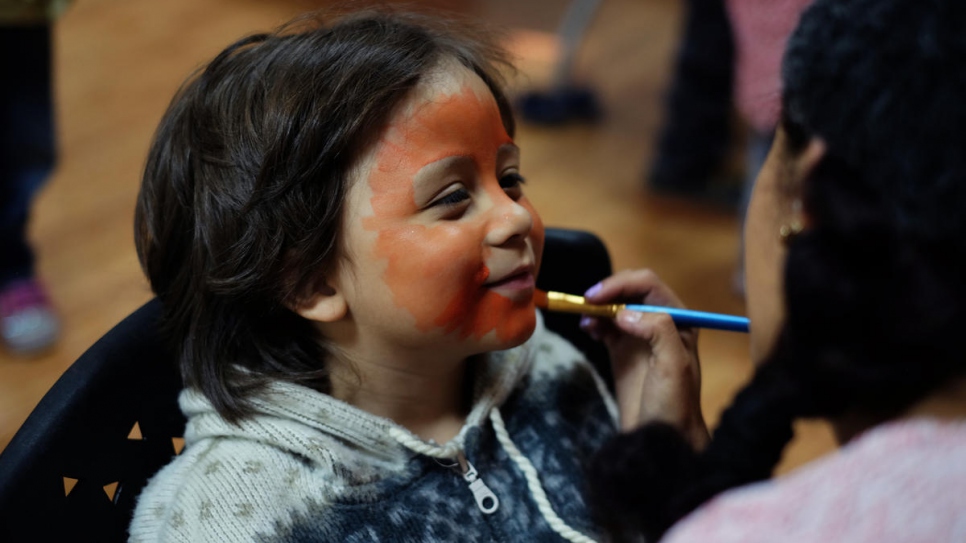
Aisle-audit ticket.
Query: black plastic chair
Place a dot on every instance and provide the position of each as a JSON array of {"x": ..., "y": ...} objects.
[{"x": 76, "y": 466}]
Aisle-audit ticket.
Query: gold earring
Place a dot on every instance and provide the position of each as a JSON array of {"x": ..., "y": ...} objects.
[{"x": 787, "y": 232}]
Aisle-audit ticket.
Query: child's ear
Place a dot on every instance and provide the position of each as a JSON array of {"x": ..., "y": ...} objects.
[{"x": 326, "y": 304}]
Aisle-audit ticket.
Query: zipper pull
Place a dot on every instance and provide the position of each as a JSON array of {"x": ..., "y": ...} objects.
[{"x": 486, "y": 500}]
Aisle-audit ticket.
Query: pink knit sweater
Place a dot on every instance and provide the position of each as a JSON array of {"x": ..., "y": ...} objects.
[
  {"x": 901, "y": 482},
  {"x": 761, "y": 29}
]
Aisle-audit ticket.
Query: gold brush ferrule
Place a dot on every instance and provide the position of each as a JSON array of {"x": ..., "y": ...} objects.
[{"x": 568, "y": 303}]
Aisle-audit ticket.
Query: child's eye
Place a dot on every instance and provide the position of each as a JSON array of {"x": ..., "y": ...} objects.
[
  {"x": 453, "y": 198},
  {"x": 511, "y": 184}
]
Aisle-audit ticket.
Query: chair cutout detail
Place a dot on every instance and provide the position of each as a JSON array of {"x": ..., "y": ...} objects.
[
  {"x": 69, "y": 484},
  {"x": 111, "y": 490},
  {"x": 135, "y": 433}
]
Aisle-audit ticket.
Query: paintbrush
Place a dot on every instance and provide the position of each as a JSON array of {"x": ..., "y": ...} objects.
[{"x": 568, "y": 303}]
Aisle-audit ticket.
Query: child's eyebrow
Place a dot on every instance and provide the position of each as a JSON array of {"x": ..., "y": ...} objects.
[
  {"x": 505, "y": 151},
  {"x": 508, "y": 150},
  {"x": 446, "y": 163}
]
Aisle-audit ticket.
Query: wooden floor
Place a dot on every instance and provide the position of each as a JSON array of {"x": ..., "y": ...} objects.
[{"x": 118, "y": 62}]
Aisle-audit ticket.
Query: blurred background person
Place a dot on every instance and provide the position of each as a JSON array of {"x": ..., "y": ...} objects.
[
  {"x": 28, "y": 322},
  {"x": 695, "y": 136},
  {"x": 724, "y": 96}
]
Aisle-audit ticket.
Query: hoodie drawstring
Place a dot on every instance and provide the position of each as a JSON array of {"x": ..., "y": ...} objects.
[
  {"x": 533, "y": 483},
  {"x": 451, "y": 452}
]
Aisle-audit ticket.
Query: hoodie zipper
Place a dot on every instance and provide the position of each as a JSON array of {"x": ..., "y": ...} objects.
[{"x": 486, "y": 500}]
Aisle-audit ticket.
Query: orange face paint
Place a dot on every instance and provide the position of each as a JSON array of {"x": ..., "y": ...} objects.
[{"x": 437, "y": 269}]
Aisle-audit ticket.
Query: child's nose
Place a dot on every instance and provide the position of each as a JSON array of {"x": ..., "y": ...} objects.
[{"x": 508, "y": 220}]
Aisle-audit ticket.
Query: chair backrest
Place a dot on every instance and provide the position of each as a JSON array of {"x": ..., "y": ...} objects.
[
  {"x": 573, "y": 261},
  {"x": 76, "y": 466}
]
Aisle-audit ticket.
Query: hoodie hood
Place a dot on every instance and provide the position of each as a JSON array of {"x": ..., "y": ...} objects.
[{"x": 318, "y": 427}]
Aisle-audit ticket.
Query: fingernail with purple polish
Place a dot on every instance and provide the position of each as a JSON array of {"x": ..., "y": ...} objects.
[{"x": 629, "y": 317}]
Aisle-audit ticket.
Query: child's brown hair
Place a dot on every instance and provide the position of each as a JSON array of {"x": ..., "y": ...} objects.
[{"x": 241, "y": 204}]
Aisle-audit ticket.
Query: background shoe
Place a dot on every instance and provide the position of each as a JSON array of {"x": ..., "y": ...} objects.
[
  {"x": 559, "y": 106},
  {"x": 28, "y": 323}
]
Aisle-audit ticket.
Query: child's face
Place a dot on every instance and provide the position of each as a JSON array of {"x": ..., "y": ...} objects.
[{"x": 442, "y": 247}]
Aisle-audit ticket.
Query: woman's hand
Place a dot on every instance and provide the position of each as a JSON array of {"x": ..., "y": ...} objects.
[{"x": 657, "y": 375}]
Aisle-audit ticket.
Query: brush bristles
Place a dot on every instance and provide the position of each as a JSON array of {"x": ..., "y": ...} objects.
[{"x": 540, "y": 298}]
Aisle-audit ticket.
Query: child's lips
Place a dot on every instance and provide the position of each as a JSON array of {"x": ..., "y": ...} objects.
[{"x": 518, "y": 282}]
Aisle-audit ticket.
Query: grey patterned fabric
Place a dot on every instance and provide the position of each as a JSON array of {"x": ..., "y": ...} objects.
[{"x": 311, "y": 468}]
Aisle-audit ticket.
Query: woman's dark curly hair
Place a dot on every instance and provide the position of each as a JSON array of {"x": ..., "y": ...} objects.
[
  {"x": 240, "y": 210},
  {"x": 875, "y": 288}
]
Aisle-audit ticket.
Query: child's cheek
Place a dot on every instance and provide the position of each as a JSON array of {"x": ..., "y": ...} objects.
[
  {"x": 437, "y": 275},
  {"x": 429, "y": 269}
]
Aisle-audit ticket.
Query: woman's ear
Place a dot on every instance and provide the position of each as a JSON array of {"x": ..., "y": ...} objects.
[
  {"x": 805, "y": 161},
  {"x": 325, "y": 304},
  {"x": 803, "y": 164}
]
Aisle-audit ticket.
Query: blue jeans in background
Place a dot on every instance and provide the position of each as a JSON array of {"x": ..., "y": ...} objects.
[{"x": 27, "y": 141}]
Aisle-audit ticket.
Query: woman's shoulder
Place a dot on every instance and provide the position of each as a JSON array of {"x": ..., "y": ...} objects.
[
  {"x": 901, "y": 481},
  {"x": 218, "y": 487}
]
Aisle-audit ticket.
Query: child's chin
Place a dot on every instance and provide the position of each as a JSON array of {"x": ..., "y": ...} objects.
[{"x": 516, "y": 334}]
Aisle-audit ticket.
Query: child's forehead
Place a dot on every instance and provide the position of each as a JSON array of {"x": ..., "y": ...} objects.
[{"x": 448, "y": 78}]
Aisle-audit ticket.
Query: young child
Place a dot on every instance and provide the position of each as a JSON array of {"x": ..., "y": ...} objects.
[{"x": 333, "y": 218}]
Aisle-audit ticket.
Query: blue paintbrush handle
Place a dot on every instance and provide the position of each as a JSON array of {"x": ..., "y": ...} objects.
[{"x": 697, "y": 319}]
